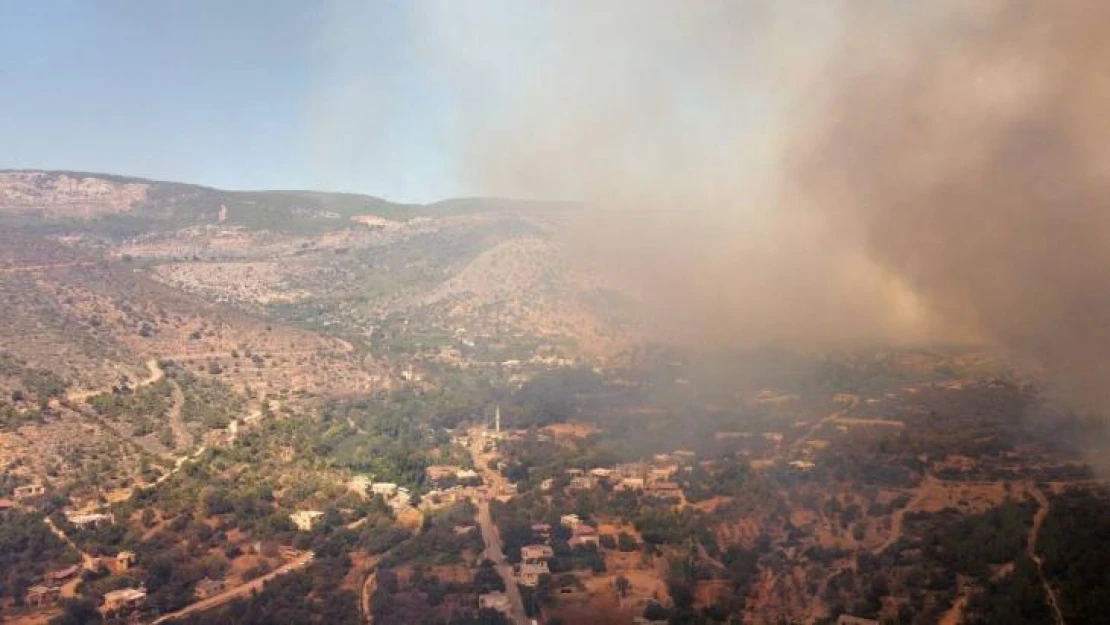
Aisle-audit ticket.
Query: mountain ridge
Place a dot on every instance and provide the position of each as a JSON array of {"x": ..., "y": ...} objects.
[{"x": 66, "y": 194}]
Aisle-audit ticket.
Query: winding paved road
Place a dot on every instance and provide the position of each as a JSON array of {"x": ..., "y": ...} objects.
[
  {"x": 492, "y": 537},
  {"x": 493, "y": 551}
]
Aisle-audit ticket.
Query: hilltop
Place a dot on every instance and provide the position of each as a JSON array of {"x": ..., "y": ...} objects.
[{"x": 127, "y": 206}]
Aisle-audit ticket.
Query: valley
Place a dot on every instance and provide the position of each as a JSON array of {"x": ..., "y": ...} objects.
[{"x": 300, "y": 407}]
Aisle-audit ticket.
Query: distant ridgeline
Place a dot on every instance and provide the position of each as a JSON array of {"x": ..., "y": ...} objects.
[{"x": 58, "y": 201}]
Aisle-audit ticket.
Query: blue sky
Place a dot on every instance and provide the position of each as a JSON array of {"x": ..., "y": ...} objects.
[
  {"x": 230, "y": 94},
  {"x": 412, "y": 101}
]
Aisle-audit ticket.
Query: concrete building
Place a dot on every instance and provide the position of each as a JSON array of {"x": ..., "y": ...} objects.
[
  {"x": 631, "y": 483},
  {"x": 208, "y": 587},
  {"x": 385, "y": 489},
  {"x": 663, "y": 473},
  {"x": 42, "y": 596},
  {"x": 631, "y": 470},
  {"x": 664, "y": 489},
  {"x": 441, "y": 472},
  {"x": 94, "y": 519},
  {"x": 123, "y": 600},
  {"x": 62, "y": 575},
  {"x": 530, "y": 553},
  {"x": 305, "y": 519},
  {"x": 495, "y": 601},
  {"x": 124, "y": 560},
  {"x": 570, "y": 520},
  {"x": 584, "y": 536},
  {"x": 582, "y": 482},
  {"x": 29, "y": 490},
  {"x": 601, "y": 474},
  {"x": 360, "y": 484},
  {"x": 530, "y": 572}
]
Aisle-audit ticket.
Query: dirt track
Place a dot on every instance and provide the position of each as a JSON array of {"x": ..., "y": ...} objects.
[
  {"x": 238, "y": 592},
  {"x": 1031, "y": 547}
]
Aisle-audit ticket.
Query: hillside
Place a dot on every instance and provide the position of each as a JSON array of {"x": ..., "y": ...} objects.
[
  {"x": 257, "y": 301},
  {"x": 231, "y": 384},
  {"x": 351, "y": 265},
  {"x": 121, "y": 206}
]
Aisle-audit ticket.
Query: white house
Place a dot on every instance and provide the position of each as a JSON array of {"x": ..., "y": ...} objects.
[
  {"x": 305, "y": 519},
  {"x": 385, "y": 489}
]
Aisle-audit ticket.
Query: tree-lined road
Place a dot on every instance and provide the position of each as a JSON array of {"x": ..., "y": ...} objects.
[{"x": 490, "y": 535}]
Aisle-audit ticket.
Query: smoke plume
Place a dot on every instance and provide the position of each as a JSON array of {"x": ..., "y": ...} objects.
[
  {"x": 966, "y": 149},
  {"x": 670, "y": 121},
  {"x": 806, "y": 172}
]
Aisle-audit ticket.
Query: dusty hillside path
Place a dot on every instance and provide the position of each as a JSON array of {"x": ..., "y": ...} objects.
[
  {"x": 182, "y": 438},
  {"x": 798, "y": 444},
  {"x": 896, "y": 520},
  {"x": 156, "y": 373},
  {"x": 239, "y": 592},
  {"x": 1031, "y": 547},
  {"x": 87, "y": 561},
  {"x": 366, "y": 594},
  {"x": 955, "y": 614}
]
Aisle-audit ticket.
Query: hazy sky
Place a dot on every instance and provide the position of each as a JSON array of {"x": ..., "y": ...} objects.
[
  {"x": 243, "y": 94},
  {"x": 398, "y": 99}
]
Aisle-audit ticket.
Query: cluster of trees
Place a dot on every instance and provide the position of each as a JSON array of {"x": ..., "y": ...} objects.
[
  {"x": 683, "y": 574},
  {"x": 1016, "y": 599},
  {"x": 39, "y": 385},
  {"x": 1075, "y": 547},
  {"x": 551, "y": 396},
  {"x": 397, "y": 601},
  {"x": 29, "y": 385},
  {"x": 207, "y": 401},
  {"x": 969, "y": 544},
  {"x": 729, "y": 478},
  {"x": 28, "y": 550},
  {"x": 390, "y": 440},
  {"x": 12, "y": 418},
  {"x": 145, "y": 407},
  {"x": 308, "y": 597},
  {"x": 666, "y": 526},
  {"x": 439, "y": 542}
]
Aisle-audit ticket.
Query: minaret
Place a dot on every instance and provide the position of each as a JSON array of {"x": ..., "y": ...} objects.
[{"x": 497, "y": 419}]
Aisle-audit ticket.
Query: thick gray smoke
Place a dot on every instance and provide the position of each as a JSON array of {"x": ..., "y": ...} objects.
[
  {"x": 669, "y": 120},
  {"x": 799, "y": 171},
  {"x": 968, "y": 151}
]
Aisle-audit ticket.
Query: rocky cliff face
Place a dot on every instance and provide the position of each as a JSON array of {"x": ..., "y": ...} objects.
[{"x": 66, "y": 195}]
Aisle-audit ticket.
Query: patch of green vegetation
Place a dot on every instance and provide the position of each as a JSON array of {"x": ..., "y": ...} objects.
[
  {"x": 28, "y": 549},
  {"x": 145, "y": 408},
  {"x": 970, "y": 544},
  {"x": 1016, "y": 599},
  {"x": 33, "y": 384},
  {"x": 1075, "y": 547},
  {"x": 208, "y": 402}
]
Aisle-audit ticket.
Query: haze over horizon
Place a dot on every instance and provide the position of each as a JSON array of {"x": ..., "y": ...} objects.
[
  {"x": 811, "y": 159},
  {"x": 383, "y": 98},
  {"x": 510, "y": 312}
]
